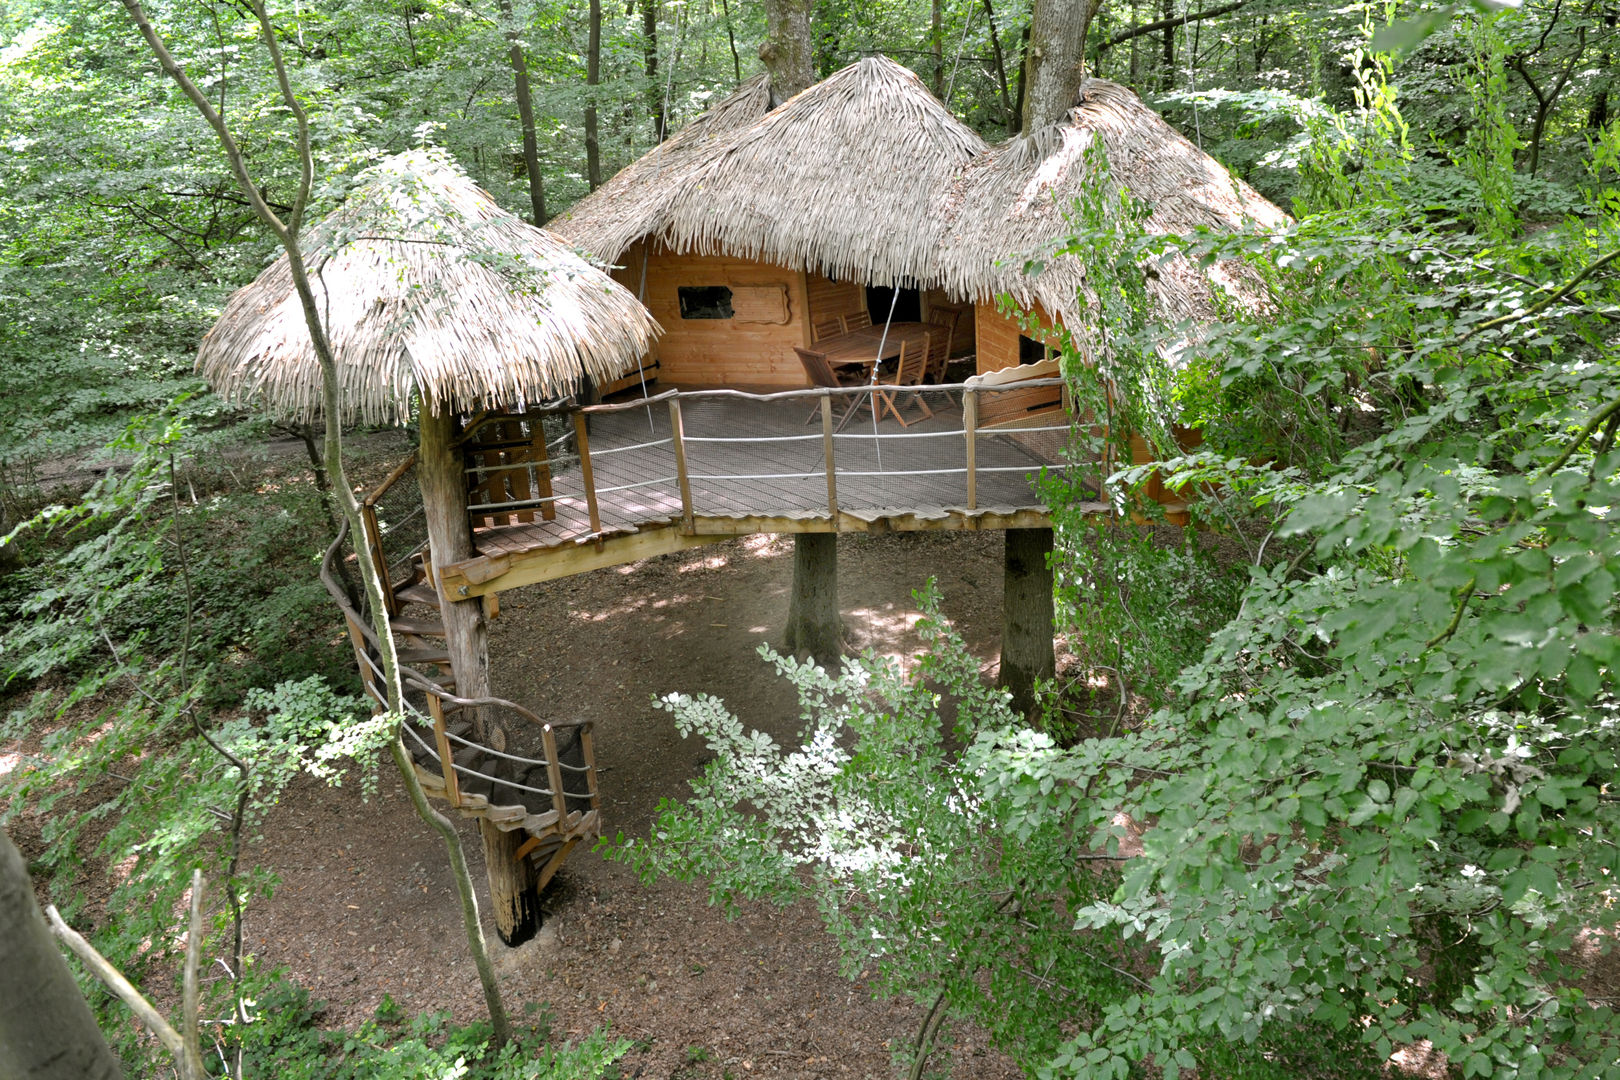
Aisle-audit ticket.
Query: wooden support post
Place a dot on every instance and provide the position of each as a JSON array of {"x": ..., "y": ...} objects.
[
  {"x": 514, "y": 888},
  {"x": 1027, "y": 651},
  {"x": 368, "y": 518},
  {"x": 677, "y": 434},
  {"x": 814, "y": 628},
  {"x": 587, "y": 747},
  {"x": 541, "y": 474},
  {"x": 554, "y": 777},
  {"x": 447, "y": 753},
  {"x": 970, "y": 424},
  {"x": 586, "y": 477},
  {"x": 827, "y": 452}
]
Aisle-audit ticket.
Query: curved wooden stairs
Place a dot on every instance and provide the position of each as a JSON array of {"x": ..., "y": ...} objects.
[{"x": 550, "y": 792}]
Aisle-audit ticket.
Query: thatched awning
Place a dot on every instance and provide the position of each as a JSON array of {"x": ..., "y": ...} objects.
[
  {"x": 1015, "y": 201},
  {"x": 427, "y": 288}
]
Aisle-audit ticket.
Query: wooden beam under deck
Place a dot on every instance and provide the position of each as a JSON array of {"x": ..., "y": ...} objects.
[{"x": 490, "y": 574}]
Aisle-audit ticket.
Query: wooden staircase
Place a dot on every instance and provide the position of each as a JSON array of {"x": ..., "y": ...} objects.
[{"x": 548, "y": 789}]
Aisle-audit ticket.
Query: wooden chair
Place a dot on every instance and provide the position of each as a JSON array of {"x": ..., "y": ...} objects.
[
  {"x": 946, "y": 317},
  {"x": 857, "y": 321},
  {"x": 826, "y": 328},
  {"x": 820, "y": 373},
  {"x": 908, "y": 371}
]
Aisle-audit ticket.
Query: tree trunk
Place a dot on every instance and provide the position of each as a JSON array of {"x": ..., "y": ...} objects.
[
  {"x": 1023, "y": 70},
  {"x": 936, "y": 45},
  {"x": 1167, "y": 78},
  {"x": 814, "y": 628},
  {"x": 731, "y": 39},
  {"x": 525, "y": 104},
  {"x": 649, "y": 51},
  {"x": 1054, "y": 62},
  {"x": 514, "y": 897},
  {"x": 444, "y": 505},
  {"x": 786, "y": 50},
  {"x": 593, "y": 79},
  {"x": 47, "y": 1031},
  {"x": 1007, "y": 119},
  {"x": 1027, "y": 651}
]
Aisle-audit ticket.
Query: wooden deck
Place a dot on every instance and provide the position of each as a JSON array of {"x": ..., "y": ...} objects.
[{"x": 691, "y": 468}]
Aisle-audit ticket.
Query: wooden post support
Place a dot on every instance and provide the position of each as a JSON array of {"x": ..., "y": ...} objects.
[
  {"x": 587, "y": 747},
  {"x": 970, "y": 424},
  {"x": 586, "y": 477},
  {"x": 1027, "y": 651},
  {"x": 814, "y": 628},
  {"x": 447, "y": 753},
  {"x": 514, "y": 889},
  {"x": 827, "y": 452},
  {"x": 368, "y": 518},
  {"x": 554, "y": 777},
  {"x": 677, "y": 435}
]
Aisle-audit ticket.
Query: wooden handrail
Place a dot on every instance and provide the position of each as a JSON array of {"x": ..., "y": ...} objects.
[{"x": 391, "y": 479}]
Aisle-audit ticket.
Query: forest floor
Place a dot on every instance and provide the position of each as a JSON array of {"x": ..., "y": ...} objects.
[{"x": 365, "y": 906}]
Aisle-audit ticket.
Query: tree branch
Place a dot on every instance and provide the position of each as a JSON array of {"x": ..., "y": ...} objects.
[{"x": 1165, "y": 24}]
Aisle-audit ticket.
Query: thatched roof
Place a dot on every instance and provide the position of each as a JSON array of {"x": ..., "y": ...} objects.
[
  {"x": 1014, "y": 200},
  {"x": 635, "y": 202},
  {"x": 867, "y": 176},
  {"x": 842, "y": 178},
  {"x": 427, "y": 287}
]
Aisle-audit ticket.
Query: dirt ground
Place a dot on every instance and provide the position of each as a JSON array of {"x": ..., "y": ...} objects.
[{"x": 365, "y": 906}]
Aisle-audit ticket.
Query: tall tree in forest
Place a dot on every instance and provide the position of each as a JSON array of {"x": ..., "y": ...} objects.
[
  {"x": 786, "y": 50},
  {"x": 649, "y": 47},
  {"x": 1054, "y": 61},
  {"x": 525, "y": 104},
  {"x": 593, "y": 79},
  {"x": 936, "y": 45}
]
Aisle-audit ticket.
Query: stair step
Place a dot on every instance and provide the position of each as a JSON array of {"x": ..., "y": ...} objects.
[
  {"x": 424, "y": 654},
  {"x": 419, "y": 593},
  {"x": 417, "y": 627}
]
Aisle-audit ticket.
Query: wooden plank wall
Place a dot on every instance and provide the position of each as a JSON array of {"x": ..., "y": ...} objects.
[
  {"x": 996, "y": 336},
  {"x": 720, "y": 352},
  {"x": 829, "y": 297}
]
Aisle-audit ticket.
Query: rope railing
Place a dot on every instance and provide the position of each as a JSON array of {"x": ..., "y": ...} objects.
[{"x": 367, "y": 649}]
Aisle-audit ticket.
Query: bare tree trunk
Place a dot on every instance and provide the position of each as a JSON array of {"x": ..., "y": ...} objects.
[
  {"x": 1023, "y": 72},
  {"x": 593, "y": 79},
  {"x": 1027, "y": 650},
  {"x": 525, "y": 104},
  {"x": 731, "y": 39},
  {"x": 1054, "y": 62},
  {"x": 47, "y": 1031},
  {"x": 936, "y": 45},
  {"x": 786, "y": 50},
  {"x": 1167, "y": 78},
  {"x": 1007, "y": 120},
  {"x": 814, "y": 627},
  {"x": 649, "y": 47}
]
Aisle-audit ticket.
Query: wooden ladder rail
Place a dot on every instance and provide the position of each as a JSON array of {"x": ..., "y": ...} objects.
[{"x": 373, "y": 538}]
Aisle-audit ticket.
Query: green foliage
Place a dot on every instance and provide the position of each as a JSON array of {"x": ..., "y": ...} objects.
[{"x": 284, "y": 1040}]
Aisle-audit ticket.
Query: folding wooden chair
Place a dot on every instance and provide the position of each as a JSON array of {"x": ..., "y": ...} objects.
[
  {"x": 908, "y": 371},
  {"x": 944, "y": 316},
  {"x": 857, "y": 321},
  {"x": 820, "y": 373}
]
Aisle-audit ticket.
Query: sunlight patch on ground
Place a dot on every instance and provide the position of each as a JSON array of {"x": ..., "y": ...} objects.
[
  {"x": 706, "y": 562},
  {"x": 9, "y": 762},
  {"x": 893, "y": 627}
]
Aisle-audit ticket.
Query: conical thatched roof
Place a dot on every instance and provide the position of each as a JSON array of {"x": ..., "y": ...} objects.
[
  {"x": 1014, "y": 200},
  {"x": 427, "y": 287},
  {"x": 867, "y": 176},
  {"x": 842, "y": 178}
]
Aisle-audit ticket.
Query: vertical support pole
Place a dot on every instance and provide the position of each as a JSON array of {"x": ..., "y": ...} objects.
[
  {"x": 447, "y": 755},
  {"x": 540, "y": 475},
  {"x": 367, "y": 680},
  {"x": 677, "y": 434},
  {"x": 588, "y": 478},
  {"x": 814, "y": 627},
  {"x": 827, "y": 452},
  {"x": 559, "y": 797},
  {"x": 514, "y": 886},
  {"x": 1027, "y": 651},
  {"x": 970, "y": 425},
  {"x": 587, "y": 746}
]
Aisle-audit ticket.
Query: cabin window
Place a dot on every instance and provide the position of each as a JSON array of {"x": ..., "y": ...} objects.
[
  {"x": 1031, "y": 351},
  {"x": 907, "y": 306},
  {"x": 705, "y": 301}
]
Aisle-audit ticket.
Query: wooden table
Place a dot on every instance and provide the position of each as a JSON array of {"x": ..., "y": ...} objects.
[{"x": 863, "y": 346}]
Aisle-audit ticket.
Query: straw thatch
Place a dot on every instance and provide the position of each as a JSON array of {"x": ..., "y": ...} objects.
[
  {"x": 866, "y": 176},
  {"x": 635, "y": 202},
  {"x": 842, "y": 178},
  {"x": 1015, "y": 200},
  {"x": 426, "y": 287}
]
